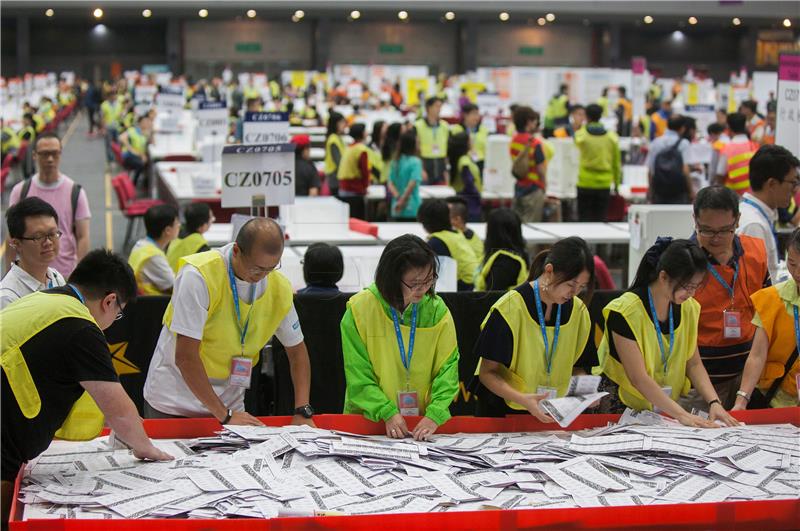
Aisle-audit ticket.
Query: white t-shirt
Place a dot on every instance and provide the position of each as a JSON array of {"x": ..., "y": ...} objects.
[
  {"x": 156, "y": 270},
  {"x": 17, "y": 283},
  {"x": 165, "y": 389},
  {"x": 753, "y": 223}
]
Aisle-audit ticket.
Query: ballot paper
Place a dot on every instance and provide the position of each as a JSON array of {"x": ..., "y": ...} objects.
[
  {"x": 274, "y": 472},
  {"x": 566, "y": 409}
]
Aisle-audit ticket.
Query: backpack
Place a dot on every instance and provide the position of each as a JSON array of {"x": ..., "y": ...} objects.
[
  {"x": 668, "y": 177},
  {"x": 76, "y": 192}
]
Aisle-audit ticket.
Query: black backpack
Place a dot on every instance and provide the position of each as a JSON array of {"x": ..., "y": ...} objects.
[
  {"x": 668, "y": 177},
  {"x": 76, "y": 192}
]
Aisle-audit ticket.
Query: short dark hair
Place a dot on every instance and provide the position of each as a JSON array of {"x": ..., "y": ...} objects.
[
  {"x": 30, "y": 207},
  {"x": 594, "y": 112},
  {"x": 468, "y": 108},
  {"x": 101, "y": 272},
  {"x": 323, "y": 264},
  {"x": 458, "y": 206},
  {"x": 680, "y": 259},
  {"x": 716, "y": 198},
  {"x": 401, "y": 254},
  {"x": 430, "y": 101},
  {"x": 522, "y": 115},
  {"x": 715, "y": 129},
  {"x": 770, "y": 162},
  {"x": 737, "y": 123},
  {"x": 246, "y": 238},
  {"x": 675, "y": 122},
  {"x": 159, "y": 217},
  {"x": 576, "y": 107},
  {"x": 408, "y": 143},
  {"x": 434, "y": 216},
  {"x": 377, "y": 129},
  {"x": 569, "y": 257},
  {"x": 622, "y": 91},
  {"x": 357, "y": 131},
  {"x": 750, "y": 105},
  {"x": 196, "y": 215},
  {"x": 42, "y": 136}
]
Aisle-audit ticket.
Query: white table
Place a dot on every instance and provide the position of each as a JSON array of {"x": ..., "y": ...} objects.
[
  {"x": 303, "y": 235},
  {"x": 219, "y": 234},
  {"x": 172, "y": 145},
  {"x": 589, "y": 231},
  {"x": 376, "y": 192},
  {"x": 177, "y": 179}
]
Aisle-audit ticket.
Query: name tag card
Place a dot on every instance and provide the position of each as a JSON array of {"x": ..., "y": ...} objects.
[
  {"x": 212, "y": 120},
  {"x": 265, "y": 128},
  {"x": 263, "y": 172}
]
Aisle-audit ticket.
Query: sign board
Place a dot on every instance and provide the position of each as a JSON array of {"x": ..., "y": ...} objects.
[
  {"x": 155, "y": 69},
  {"x": 255, "y": 173},
  {"x": 387, "y": 48},
  {"x": 787, "y": 129},
  {"x": 170, "y": 102},
  {"x": 212, "y": 120},
  {"x": 248, "y": 47},
  {"x": 531, "y": 50},
  {"x": 163, "y": 78},
  {"x": 144, "y": 93},
  {"x": 415, "y": 88},
  {"x": 265, "y": 128},
  {"x": 639, "y": 88}
]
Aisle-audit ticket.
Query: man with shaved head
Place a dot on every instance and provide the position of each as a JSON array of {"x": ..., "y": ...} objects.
[{"x": 226, "y": 304}]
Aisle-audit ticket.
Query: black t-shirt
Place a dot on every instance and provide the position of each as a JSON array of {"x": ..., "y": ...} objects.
[
  {"x": 503, "y": 274},
  {"x": 438, "y": 246},
  {"x": 617, "y": 323},
  {"x": 306, "y": 177},
  {"x": 68, "y": 352}
]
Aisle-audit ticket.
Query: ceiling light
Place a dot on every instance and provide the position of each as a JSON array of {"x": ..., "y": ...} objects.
[
  {"x": 146, "y": 13},
  {"x": 550, "y": 17},
  {"x": 299, "y": 14},
  {"x": 648, "y": 19},
  {"x": 678, "y": 35},
  {"x": 355, "y": 14},
  {"x": 736, "y": 21},
  {"x": 692, "y": 20},
  {"x": 295, "y": 19},
  {"x": 450, "y": 15},
  {"x": 203, "y": 13},
  {"x": 98, "y": 13},
  {"x": 49, "y": 13},
  {"x": 787, "y": 23},
  {"x": 541, "y": 21},
  {"x": 251, "y": 13},
  {"x": 100, "y": 29},
  {"x": 504, "y": 16},
  {"x": 402, "y": 15}
]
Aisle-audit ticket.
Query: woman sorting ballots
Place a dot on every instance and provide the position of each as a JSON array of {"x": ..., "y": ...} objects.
[
  {"x": 533, "y": 339},
  {"x": 650, "y": 343},
  {"x": 399, "y": 344}
]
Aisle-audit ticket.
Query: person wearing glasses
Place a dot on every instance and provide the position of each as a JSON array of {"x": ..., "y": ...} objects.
[
  {"x": 773, "y": 180},
  {"x": 538, "y": 335},
  {"x": 34, "y": 236},
  {"x": 399, "y": 344},
  {"x": 226, "y": 305},
  {"x": 737, "y": 268},
  {"x": 648, "y": 356},
  {"x": 67, "y": 198},
  {"x": 53, "y": 354}
]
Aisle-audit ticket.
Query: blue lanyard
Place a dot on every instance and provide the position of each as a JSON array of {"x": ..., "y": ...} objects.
[
  {"x": 548, "y": 352},
  {"x": 796, "y": 328},
  {"x": 78, "y": 293},
  {"x": 716, "y": 275},
  {"x": 406, "y": 360},
  {"x": 235, "y": 291},
  {"x": 766, "y": 217},
  {"x": 664, "y": 357}
]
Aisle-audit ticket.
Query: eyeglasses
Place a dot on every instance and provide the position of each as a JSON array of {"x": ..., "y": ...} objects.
[
  {"x": 258, "y": 270},
  {"x": 423, "y": 285},
  {"x": 710, "y": 233},
  {"x": 120, "y": 313},
  {"x": 48, "y": 154},
  {"x": 795, "y": 183},
  {"x": 691, "y": 288},
  {"x": 52, "y": 236}
]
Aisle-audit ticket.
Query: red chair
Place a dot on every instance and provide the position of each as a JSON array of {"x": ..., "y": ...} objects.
[
  {"x": 131, "y": 209},
  {"x": 617, "y": 208},
  {"x": 602, "y": 275},
  {"x": 179, "y": 158},
  {"x": 117, "y": 149},
  {"x": 364, "y": 227},
  {"x": 4, "y": 177},
  {"x": 9, "y": 159},
  {"x": 130, "y": 191}
]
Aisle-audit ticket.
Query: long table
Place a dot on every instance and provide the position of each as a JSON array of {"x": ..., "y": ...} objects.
[{"x": 741, "y": 515}]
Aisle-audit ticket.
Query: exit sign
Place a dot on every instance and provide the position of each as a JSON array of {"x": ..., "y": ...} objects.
[
  {"x": 390, "y": 48},
  {"x": 531, "y": 50},
  {"x": 248, "y": 47}
]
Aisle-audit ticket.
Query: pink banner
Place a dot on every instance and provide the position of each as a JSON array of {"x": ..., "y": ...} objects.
[{"x": 789, "y": 69}]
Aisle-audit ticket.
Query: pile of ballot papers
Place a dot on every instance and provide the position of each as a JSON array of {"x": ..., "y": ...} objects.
[{"x": 267, "y": 472}]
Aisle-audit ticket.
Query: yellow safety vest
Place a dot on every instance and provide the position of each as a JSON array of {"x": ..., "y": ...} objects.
[
  {"x": 221, "y": 334},
  {"x": 528, "y": 369},
  {"x": 137, "y": 141},
  {"x": 10, "y": 141},
  {"x": 480, "y": 281},
  {"x": 461, "y": 252},
  {"x": 348, "y": 167},
  {"x": 38, "y": 122},
  {"x": 432, "y": 348},
  {"x": 476, "y": 245},
  {"x": 250, "y": 93},
  {"x": 457, "y": 183},
  {"x": 110, "y": 112},
  {"x": 137, "y": 260},
  {"x": 432, "y": 141},
  {"x": 330, "y": 164},
  {"x": 478, "y": 139},
  {"x": 22, "y": 320},
  {"x": 376, "y": 166},
  {"x": 630, "y": 306},
  {"x": 181, "y": 247}
]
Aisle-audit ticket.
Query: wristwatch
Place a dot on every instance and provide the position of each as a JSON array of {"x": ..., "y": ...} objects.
[
  {"x": 743, "y": 395},
  {"x": 305, "y": 411},
  {"x": 227, "y": 418}
]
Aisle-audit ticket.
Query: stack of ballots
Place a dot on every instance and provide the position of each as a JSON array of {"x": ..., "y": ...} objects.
[{"x": 267, "y": 472}]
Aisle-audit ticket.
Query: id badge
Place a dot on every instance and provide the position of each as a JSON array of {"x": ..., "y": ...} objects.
[
  {"x": 551, "y": 392},
  {"x": 732, "y": 324},
  {"x": 241, "y": 369},
  {"x": 408, "y": 402},
  {"x": 667, "y": 390},
  {"x": 435, "y": 149}
]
